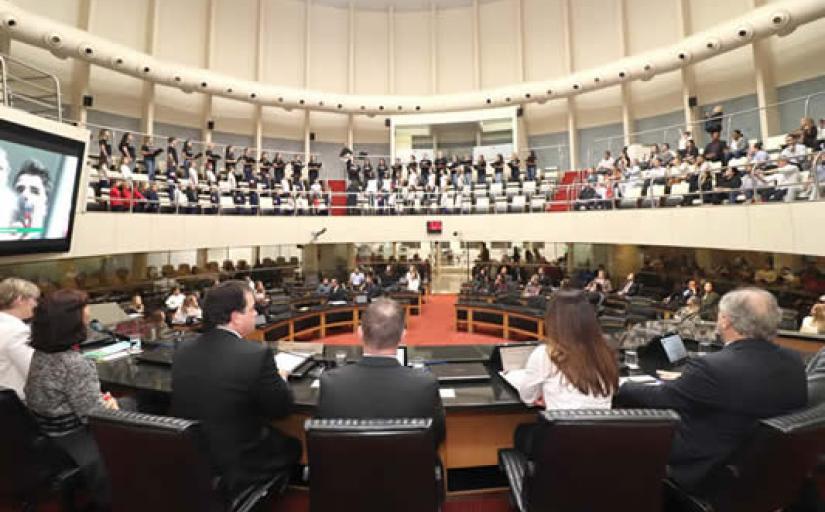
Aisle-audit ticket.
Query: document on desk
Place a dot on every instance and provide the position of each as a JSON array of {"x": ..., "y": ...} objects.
[
  {"x": 288, "y": 361},
  {"x": 515, "y": 357},
  {"x": 640, "y": 379},
  {"x": 447, "y": 392},
  {"x": 514, "y": 377}
]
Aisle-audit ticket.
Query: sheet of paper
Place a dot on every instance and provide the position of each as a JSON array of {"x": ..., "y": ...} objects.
[
  {"x": 513, "y": 377},
  {"x": 638, "y": 379},
  {"x": 316, "y": 383},
  {"x": 447, "y": 392},
  {"x": 288, "y": 361}
]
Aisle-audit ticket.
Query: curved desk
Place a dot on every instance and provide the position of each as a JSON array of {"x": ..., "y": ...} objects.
[
  {"x": 481, "y": 416},
  {"x": 314, "y": 323},
  {"x": 509, "y": 322}
]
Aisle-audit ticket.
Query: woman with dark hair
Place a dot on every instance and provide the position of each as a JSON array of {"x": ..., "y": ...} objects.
[
  {"x": 573, "y": 369},
  {"x": 63, "y": 388}
]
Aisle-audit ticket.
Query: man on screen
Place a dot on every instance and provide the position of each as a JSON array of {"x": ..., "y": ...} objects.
[{"x": 32, "y": 186}]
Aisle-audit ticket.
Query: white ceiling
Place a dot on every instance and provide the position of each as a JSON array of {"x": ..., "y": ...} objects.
[{"x": 400, "y": 5}]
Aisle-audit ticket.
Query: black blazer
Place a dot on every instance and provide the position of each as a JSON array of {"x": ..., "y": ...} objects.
[
  {"x": 232, "y": 386},
  {"x": 379, "y": 387},
  {"x": 719, "y": 398}
]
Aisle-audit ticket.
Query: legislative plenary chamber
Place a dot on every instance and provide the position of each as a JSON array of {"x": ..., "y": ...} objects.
[{"x": 412, "y": 255}]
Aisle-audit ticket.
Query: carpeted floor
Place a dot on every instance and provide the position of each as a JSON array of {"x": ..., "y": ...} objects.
[
  {"x": 298, "y": 501},
  {"x": 434, "y": 326}
]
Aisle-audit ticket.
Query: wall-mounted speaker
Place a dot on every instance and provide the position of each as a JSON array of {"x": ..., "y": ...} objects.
[
  {"x": 693, "y": 101},
  {"x": 210, "y": 125},
  {"x": 520, "y": 112},
  {"x": 387, "y": 122},
  {"x": 88, "y": 100},
  {"x": 311, "y": 135}
]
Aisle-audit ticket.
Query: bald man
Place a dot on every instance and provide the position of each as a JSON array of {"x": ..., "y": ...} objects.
[
  {"x": 378, "y": 386},
  {"x": 721, "y": 396}
]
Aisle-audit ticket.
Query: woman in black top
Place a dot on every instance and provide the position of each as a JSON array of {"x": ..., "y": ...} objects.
[
  {"x": 189, "y": 153},
  {"x": 314, "y": 167},
  {"x": 440, "y": 167},
  {"x": 248, "y": 165},
  {"x": 171, "y": 154},
  {"x": 105, "y": 145},
  {"x": 229, "y": 160},
  {"x": 368, "y": 170},
  {"x": 425, "y": 166},
  {"x": 498, "y": 168},
  {"x": 531, "y": 166},
  {"x": 397, "y": 168},
  {"x": 278, "y": 166},
  {"x": 127, "y": 148},
  {"x": 212, "y": 156},
  {"x": 381, "y": 169},
  {"x": 297, "y": 168},
  {"x": 481, "y": 170},
  {"x": 149, "y": 154},
  {"x": 265, "y": 168},
  {"x": 514, "y": 165},
  {"x": 467, "y": 164},
  {"x": 412, "y": 166},
  {"x": 453, "y": 166}
]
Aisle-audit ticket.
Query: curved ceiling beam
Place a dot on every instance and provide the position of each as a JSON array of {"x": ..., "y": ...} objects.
[{"x": 65, "y": 41}]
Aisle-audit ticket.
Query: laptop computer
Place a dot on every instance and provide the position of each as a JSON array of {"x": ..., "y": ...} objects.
[
  {"x": 460, "y": 372},
  {"x": 675, "y": 351}
]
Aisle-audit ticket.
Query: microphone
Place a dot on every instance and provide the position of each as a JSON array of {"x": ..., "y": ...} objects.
[{"x": 96, "y": 326}]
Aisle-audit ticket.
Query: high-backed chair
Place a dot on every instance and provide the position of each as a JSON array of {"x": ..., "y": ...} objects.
[
  {"x": 141, "y": 451},
  {"x": 585, "y": 460},
  {"x": 767, "y": 473},
  {"x": 32, "y": 469},
  {"x": 372, "y": 465}
]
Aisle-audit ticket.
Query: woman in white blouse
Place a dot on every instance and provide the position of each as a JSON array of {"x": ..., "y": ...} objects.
[
  {"x": 413, "y": 279},
  {"x": 573, "y": 369}
]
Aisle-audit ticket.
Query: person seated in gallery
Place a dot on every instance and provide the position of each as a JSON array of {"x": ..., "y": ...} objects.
[
  {"x": 815, "y": 322},
  {"x": 533, "y": 287},
  {"x": 377, "y": 386},
  {"x": 630, "y": 286},
  {"x": 337, "y": 293},
  {"x": 710, "y": 302},
  {"x": 323, "y": 287},
  {"x": 573, "y": 368}
]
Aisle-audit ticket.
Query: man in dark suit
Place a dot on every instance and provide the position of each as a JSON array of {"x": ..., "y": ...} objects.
[
  {"x": 233, "y": 387},
  {"x": 720, "y": 396},
  {"x": 629, "y": 288},
  {"x": 377, "y": 386}
]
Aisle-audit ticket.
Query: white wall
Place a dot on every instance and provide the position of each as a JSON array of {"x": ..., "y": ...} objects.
[{"x": 780, "y": 227}]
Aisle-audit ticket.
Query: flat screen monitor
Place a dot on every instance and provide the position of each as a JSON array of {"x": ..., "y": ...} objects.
[{"x": 39, "y": 176}]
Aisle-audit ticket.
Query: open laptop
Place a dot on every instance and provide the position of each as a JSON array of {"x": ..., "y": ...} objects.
[
  {"x": 675, "y": 351},
  {"x": 460, "y": 372}
]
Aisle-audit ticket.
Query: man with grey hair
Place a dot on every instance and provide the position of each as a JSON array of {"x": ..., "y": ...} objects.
[
  {"x": 721, "y": 396},
  {"x": 378, "y": 386},
  {"x": 18, "y": 299}
]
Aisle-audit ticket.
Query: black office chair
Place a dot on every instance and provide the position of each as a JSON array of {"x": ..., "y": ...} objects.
[
  {"x": 586, "y": 460},
  {"x": 33, "y": 470},
  {"x": 156, "y": 463},
  {"x": 373, "y": 465},
  {"x": 766, "y": 473}
]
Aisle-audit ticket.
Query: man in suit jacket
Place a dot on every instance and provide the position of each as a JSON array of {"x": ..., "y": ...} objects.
[
  {"x": 630, "y": 287},
  {"x": 233, "y": 387},
  {"x": 720, "y": 396},
  {"x": 377, "y": 386}
]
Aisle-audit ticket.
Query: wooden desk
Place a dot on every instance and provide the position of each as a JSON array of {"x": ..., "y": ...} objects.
[{"x": 507, "y": 323}]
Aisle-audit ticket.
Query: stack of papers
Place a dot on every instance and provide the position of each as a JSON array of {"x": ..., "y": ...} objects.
[
  {"x": 104, "y": 352},
  {"x": 288, "y": 361},
  {"x": 639, "y": 379}
]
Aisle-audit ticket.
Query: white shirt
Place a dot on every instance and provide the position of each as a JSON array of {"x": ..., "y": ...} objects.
[
  {"x": 794, "y": 153},
  {"x": 356, "y": 278},
  {"x": 175, "y": 301},
  {"x": 413, "y": 282},
  {"x": 542, "y": 379},
  {"x": 126, "y": 171},
  {"x": 15, "y": 353},
  {"x": 606, "y": 163}
]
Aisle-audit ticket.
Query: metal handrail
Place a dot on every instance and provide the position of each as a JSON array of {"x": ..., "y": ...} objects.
[{"x": 9, "y": 77}]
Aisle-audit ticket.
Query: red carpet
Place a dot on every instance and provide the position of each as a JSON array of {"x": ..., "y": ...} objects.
[
  {"x": 298, "y": 501},
  {"x": 435, "y": 325}
]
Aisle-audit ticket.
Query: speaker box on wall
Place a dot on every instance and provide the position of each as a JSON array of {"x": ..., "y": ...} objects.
[
  {"x": 88, "y": 100},
  {"x": 520, "y": 112},
  {"x": 311, "y": 135},
  {"x": 693, "y": 101},
  {"x": 210, "y": 125},
  {"x": 387, "y": 122}
]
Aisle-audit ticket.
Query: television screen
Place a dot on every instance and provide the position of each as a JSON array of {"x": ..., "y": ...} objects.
[
  {"x": 434, "y": 227},
  {"x": 39, "y": 175}
]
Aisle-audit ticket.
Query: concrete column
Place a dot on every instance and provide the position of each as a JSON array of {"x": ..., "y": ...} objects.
[
  {"x": 5, "y": 44},
  {"x": 81, "y": 70},
  {"x": 350, "y": 130},
  {"x": 433, "y": 48},
  {"x": 147, "y": 118},
  {"x": 569, "y": 65},
  {"x": 765, "y": 83},
  {"x": 476, "y": 47},
  {"x": 688, "y": 78},
  {"x": 627, "y": 98},
  {"x": 209, "y": 61},
  {"x": 572, "y": 133},
  {"x": 351, "y": 48},
  {"x": 391, "y": 49},
  {"x": 307, "y": 142},
  {"x": 307, "y": 40},
  {"x": 259, "y": 76}
]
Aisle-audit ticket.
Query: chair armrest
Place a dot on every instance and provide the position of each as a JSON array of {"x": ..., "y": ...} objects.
[{"x": 514, "y": 464}]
